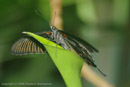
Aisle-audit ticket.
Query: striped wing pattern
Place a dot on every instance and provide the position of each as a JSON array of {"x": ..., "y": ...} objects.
[{"x": 26, "y": 46}]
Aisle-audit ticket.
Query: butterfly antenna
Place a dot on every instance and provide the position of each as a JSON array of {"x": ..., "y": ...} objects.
[
  {"x": 38, "y": 13},
  {"x": 41, "y": 15},
  {"x": 101, "y": 72},
  {"x": 54, "y": 19}
]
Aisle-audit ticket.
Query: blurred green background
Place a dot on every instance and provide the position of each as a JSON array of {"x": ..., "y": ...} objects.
[{"x": 103, "y": 23}]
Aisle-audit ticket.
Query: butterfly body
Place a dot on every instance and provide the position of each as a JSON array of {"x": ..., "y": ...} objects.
[{"x": 59, "y": 38}]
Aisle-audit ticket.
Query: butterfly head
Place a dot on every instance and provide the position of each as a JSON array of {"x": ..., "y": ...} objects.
[{"x": 53, "y": 28}]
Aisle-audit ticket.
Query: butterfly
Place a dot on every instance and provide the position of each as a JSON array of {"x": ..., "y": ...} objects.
[{"x": 29, "y": 45}]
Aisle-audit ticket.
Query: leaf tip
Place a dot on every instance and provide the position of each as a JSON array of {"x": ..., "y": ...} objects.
[{"x": 24, "y": 32}]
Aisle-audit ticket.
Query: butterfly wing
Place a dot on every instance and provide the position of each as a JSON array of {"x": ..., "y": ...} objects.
[
  {"x": 83, "y": 48},
  {"x": 82, "y": 51},
  {"x": 86, "y": 44},
  {"x": 29, "y": 45},
  {"x": 26, "y": 46}
]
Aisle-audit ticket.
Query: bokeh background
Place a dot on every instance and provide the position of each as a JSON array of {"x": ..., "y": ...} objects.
[{"x": 103, "y": 23}]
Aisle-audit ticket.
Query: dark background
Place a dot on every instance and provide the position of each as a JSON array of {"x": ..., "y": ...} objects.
[{"x": 103, "y": 23}]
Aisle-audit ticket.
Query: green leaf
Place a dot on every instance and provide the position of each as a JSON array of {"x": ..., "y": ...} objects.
[{"x": 68, "y": 63}]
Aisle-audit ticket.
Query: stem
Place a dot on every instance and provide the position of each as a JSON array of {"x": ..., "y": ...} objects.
[
  {"x": 56, "y": 11},
  {"x": 94, "y": 78}
]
